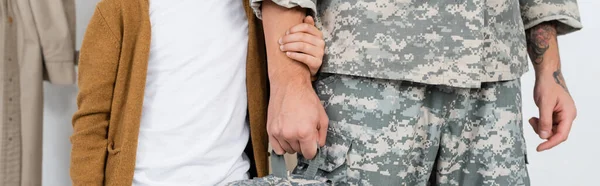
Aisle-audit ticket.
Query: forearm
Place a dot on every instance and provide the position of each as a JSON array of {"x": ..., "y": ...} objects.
[
  {"x": 98, "y": 63},
  {"x": 276, "y": 21},
  {"x": 542, "y": 45}
]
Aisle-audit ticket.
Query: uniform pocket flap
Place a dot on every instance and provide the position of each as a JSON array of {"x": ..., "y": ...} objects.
[{"x": 334, "y": 152}]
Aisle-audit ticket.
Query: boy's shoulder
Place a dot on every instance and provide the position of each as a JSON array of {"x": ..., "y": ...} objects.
[
  {"x": 118, "y": 12},
  {"x": 120, "y": 6}
]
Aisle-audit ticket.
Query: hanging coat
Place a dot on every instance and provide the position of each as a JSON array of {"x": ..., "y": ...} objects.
[{"x": 37, "y": 42}]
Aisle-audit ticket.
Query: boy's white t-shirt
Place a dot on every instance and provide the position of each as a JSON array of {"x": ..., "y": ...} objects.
[{"x": 193, "y": 129}]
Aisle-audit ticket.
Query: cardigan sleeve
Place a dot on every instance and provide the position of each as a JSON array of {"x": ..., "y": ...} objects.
[{"x": 98, "y": 63}]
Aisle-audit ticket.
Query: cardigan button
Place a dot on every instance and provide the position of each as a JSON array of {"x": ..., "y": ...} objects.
[{"x": 112, "y": 149}]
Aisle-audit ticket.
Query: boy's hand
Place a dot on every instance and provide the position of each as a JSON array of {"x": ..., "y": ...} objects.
[{"x": 304, "y": 43}]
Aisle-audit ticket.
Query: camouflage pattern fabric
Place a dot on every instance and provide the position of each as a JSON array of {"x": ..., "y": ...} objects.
[
  {"x": 281, "y": 176},
  {"x": 389, "y": 132},
  {"x": 271, "y": 180},
  {"x": 458, "y": 43}
]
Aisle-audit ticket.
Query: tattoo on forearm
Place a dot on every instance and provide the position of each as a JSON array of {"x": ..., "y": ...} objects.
[
  {"x": 538, "y": 41},
  {"x": 560, "y": 80}
]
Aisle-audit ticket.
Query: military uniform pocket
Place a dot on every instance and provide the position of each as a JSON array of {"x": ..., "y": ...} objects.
[{"x": 335, "y": 153}]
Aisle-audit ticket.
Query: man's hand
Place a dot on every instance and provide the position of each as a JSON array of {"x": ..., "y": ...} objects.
[
  {"x": 296, "y": 119},
  {"x": 557, "y": 110},
  {"x": 556, "y": 107}
]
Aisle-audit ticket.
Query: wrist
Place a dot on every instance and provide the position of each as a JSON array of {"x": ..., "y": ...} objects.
[
  {"x": 278, "y": 80},
  {"x": 544, "y": 72}
]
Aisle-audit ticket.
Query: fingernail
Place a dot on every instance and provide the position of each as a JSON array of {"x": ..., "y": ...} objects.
[
  {"x": 280, "y": 41},
  {"x": 287, "y": 32},
  {"x": 544, "y": 134},
  {"x": 281, "y": 47},
  {"x": 288, "y": 53}
]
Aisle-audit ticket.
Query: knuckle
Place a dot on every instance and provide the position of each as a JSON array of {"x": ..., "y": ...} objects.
[
  {"x": 286, "y": 39},
  {"x": 304, "y": 37},
  {"x": 545, "y": 121},
  {"x": 538, "y": 100},
  {"x": 274, "y": 132},
  {"x": 321, "y": 42},
  {"x": 303, "y": 134},
  {"x": 314, "y": 64},
  {"x": 303, "y": 46},
  {"x": 305, "y": 26},
  {"x": 269, "y": 131},
  {"x": 288, "y": 134}
]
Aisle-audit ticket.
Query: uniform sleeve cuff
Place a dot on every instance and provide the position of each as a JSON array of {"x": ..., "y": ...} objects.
[
  {"x": 565, "y": 13},
  {"x": 565, "y": 24},
  {"x": 308, "y": 4}
]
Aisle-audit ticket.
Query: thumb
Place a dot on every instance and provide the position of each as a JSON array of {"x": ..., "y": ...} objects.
[
  {"x": 309, "y": 20},
  {"x": 545, "y": 121},
  {"x": 534, "y": 124}
]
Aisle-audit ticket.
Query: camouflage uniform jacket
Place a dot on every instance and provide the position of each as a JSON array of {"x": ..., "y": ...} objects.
[{"x": 459, "y": 43}]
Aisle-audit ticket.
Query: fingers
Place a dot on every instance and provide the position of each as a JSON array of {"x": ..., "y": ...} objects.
[
  {"x": 308, "y": 146},
  {"x": 534, "y": 124},
  {"x": 306, "y": 28},
  {"x": 302, "y": 47},
  {"x": 313, "y": 63},
  {"x": 296, "y": 141},
  {"x": 564, "y": 117},
  {"x": 302, "y": 37},
  {"x": 286, "y": 146},
  {"x": 305, "y": 53},
  {"x": 562, "y": 133},
  {"x": 275, "y": 145},
  {"x": 295, "y": 146},
  {"x": 279, "y": 143},
  {"x": 323, "y": 125},
  {"x": 309, "y": 20},
  {"x": 304, "y": 43},
  {"x": 546, "y": 109},
  {"x": 288, "y": 141}
]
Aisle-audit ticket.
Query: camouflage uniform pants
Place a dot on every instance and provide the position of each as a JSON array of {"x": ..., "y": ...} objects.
[{"x": 387, "y": 132}]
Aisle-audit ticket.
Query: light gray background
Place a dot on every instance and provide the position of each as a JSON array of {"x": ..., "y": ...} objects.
[{"x": 574, "y": 163}]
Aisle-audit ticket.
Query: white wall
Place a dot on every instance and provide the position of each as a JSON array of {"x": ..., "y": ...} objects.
[
  {"x": 573, "y": 163},
  {"x": 576, "y": 161},
  {"x": 59, "y": 106}
]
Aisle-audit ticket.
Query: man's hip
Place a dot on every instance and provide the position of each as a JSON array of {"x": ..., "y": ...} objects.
[{"x": 389, "y": 132}]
